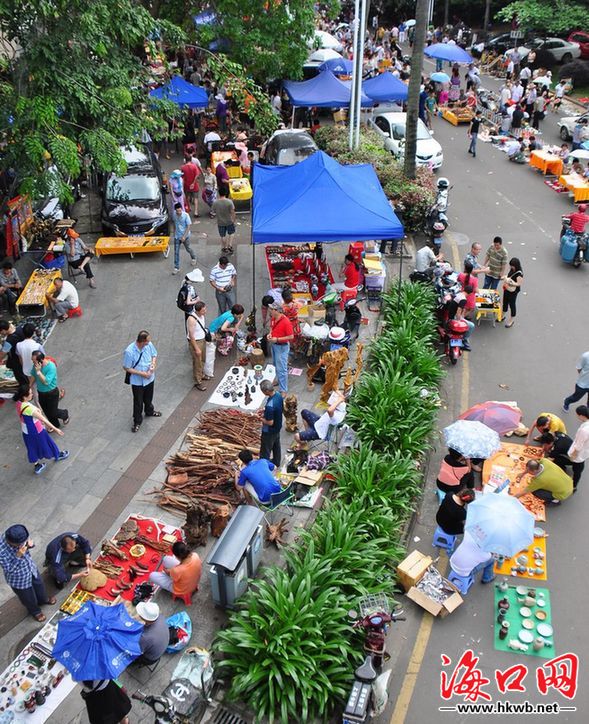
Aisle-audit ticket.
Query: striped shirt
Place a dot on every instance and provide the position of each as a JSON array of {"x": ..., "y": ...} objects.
[
  {"x": 19, "y": 571},
  {"x": 222, "y": 277}
]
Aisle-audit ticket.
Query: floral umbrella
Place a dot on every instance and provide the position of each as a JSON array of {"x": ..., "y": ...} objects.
[
  {"x": 497, "y": 415},
  {"x": 472, "y": 439}
]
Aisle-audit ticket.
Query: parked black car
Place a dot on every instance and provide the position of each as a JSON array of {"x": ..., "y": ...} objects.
[
  {"x": 287, "y": 147},
  {"x": 136, "y": 202}
]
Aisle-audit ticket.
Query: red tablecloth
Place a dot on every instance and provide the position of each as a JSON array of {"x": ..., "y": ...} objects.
[
  {"x": 300, "y": 256},
  {"x": 151, "y": 558}
]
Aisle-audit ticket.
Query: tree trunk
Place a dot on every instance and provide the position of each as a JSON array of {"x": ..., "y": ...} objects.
[
  {"x": 447, "y": 12},
  {"x": 488, "y": 15},
  {"x": 421, "y": 11}
]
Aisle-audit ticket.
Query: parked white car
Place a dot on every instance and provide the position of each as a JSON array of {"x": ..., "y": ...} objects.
[
  {"x": 561, "y": 51},
  {"x": 567, "y": 124},
  {"x": 391, "y": 127}
]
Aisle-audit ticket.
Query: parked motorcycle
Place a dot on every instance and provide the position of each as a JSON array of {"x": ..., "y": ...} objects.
[
  {"x": 437, "y": 218},
  {"x": 573, "y": 246},
  {"x": 374, "y": 618},
  {"x": 451, "y": 331}
]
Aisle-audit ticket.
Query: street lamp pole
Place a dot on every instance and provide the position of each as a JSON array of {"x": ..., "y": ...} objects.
[
  {"x": 362, "y": 33},
  {"x": 352, "y": 114}
]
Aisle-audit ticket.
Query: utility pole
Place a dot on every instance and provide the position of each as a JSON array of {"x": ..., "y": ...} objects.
[
  {"x": 421, "y": 16},
  {"x": 447, "y": 12},
  {"x": 360, "y": 17},
  {"x": 487, "y": 15}
]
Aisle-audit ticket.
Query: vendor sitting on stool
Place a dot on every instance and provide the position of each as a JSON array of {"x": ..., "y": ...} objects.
[
  {"x": 469, "y": 558},
  {"x": 451, "y": 514},
  {"x": 317, "y": 426},
  {"x": 79, "y": 255},
  {"x": 549, "y": 482},
  {"x": 180, "y": 573},
  {"x": 155, "y": 637},
  {"x": 68, "y": 549},
  {"x": 255, "y": 480},
  {"x": 64, "y": 298}
]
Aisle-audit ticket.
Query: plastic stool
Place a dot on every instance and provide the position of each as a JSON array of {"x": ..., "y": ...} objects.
[
  {"x": 441, "y": 495},
  {"x": 75, "y": 312},
  {"x": 443, "y": 540},
  {"x": 463, "y": 583},
  {"x": 186, "y": 597}
]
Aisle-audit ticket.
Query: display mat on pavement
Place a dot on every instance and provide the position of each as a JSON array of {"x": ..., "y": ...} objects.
[
  {"x": 515, "y": 621},
  {"x": 509, "y": 563}
]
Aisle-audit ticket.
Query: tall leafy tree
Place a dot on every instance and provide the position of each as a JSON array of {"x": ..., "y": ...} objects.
[
  {"x": 415, "y": 87},
  {"x": 76, "y": 83},
  {"x": 549, "y": 16},
  {"x": 268, "y": 37}
]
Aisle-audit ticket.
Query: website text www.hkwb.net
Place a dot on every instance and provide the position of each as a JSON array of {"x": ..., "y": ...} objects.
[{"x": 507, "y": 707}]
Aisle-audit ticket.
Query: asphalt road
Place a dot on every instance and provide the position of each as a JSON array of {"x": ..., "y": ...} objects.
[{"x": 536, "y": 361}]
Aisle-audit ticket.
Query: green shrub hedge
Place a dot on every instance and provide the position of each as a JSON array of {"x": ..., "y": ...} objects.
[
  {"x": 416, "y": 196},
  {"x": 289, "y": 649}
]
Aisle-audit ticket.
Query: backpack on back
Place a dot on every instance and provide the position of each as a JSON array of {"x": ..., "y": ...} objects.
[{"x": 182, "y": 298}]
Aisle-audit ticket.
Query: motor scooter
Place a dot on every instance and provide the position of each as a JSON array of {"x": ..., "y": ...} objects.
[
  {"x": 573, "y": 246},
  {"x": 437, "y": 218},
  {"x": 451, "y": 331},
  {"x": 374, "y": 618}
]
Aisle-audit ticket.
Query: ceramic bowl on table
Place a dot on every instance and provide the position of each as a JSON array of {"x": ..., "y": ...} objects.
[
  {"x": 525, "y": 612},
  {"x": 541, "y": 615},
  {"x": 527, "y": 623},
  {"x": 526, "y": 637}
]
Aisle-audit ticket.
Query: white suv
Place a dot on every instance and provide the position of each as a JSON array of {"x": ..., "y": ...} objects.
[{"x": 391, "y": 127}]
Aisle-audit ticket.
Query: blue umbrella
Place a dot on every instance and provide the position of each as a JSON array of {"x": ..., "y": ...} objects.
[
  {"x": 97, "y": 642},
  {"x": 440, "y": 77},
  {"x": 338, "y": 66},
  {"x": 447, "y": 51},
  {"x": 472, "y": 439},
  {"x": 500, "y": 524}
]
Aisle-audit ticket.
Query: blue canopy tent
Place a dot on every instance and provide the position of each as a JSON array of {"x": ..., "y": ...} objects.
[
  {"x": 449, "y": 52},
  {"x": 320, "y": 199},
  {"x": 338, "y": 66},
  {"x": 182, "y": 93},
  {"x": 385, "y": 87},
  {"x": 322, "y": 91}
]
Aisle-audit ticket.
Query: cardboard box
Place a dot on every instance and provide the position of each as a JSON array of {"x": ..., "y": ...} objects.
[
  {"x": 441, "y": 610},
  {"x": 410, "y": 571}
]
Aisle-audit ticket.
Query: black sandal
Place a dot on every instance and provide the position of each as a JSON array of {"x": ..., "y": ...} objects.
[
  {"x": 156, "y": 413},
  {"x": 135, "y": 428}
]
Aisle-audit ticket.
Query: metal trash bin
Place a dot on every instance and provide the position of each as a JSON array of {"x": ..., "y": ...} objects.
[{"x": 236, "y": 555}]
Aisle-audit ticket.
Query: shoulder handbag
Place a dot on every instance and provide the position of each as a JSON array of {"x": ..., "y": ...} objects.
[
  {"x": 128, "y": 374},
  {"x": 208, "y": 335}
]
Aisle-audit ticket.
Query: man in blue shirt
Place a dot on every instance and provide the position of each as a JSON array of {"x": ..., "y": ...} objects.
[
  {"x": 20, "y": 571},
  {"x": 271, "y": 424},
  {"x": 255, "y": 480},
  {"x": 182, "y": 224},
  {"x": 68, "y": 549},
  {"x": 140, "y": 362}
]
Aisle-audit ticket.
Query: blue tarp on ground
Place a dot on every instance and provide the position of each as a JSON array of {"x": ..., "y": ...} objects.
[
  {"x": 322, "y": 91},
  {"x": 319, "y": 199},
  {"x": 182, "y": 93},
  {"x": 385, "y": 87}
]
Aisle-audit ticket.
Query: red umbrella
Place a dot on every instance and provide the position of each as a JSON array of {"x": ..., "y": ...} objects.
[{"x": 497, "y": 415}]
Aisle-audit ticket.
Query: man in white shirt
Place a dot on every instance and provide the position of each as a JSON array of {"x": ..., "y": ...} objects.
[
  {"x": 517, "y": 92},
  {"x": 26, "y": 347},
  {"x": 277, "y": 104},
  {"x": 195, "y": 334},
  {"x": 579, "y": 450},
  {"x": 222, "y": 278},
  {"x": 505, "y": 95},
  {"x": 524, "y": 76},
  {"x": 317, "y": 426},
  {"x": 469, "y": 558},
  {"x": 63, "y": 298},
  {"x": 425, "y": 258}
]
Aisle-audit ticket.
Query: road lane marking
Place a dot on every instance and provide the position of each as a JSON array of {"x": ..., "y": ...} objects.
[
  {"x": 523, "y": 213},
  {"x": 425, "y": 627}
]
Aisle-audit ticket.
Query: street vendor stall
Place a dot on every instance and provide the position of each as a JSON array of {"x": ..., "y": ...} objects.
[
  {"x": 35, "y": 684},
  {"x": 298, "y": 266},
  {"x": 576, "y": 185},
  {"x": 240, "y": 190},
  {"x": 133, "y": 245},
  {"x": 135, "y": 551},
  {"x": 240, "y": 387},
  {"x": 546, "y": 162},
  {"x": 457, "y": 115},
  {"x": 505, "y": 465},
  {"x": 32, "y": 301}
]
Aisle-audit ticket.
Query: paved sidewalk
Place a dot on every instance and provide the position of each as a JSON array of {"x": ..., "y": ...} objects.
[{"x": 111, "y": 470}]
